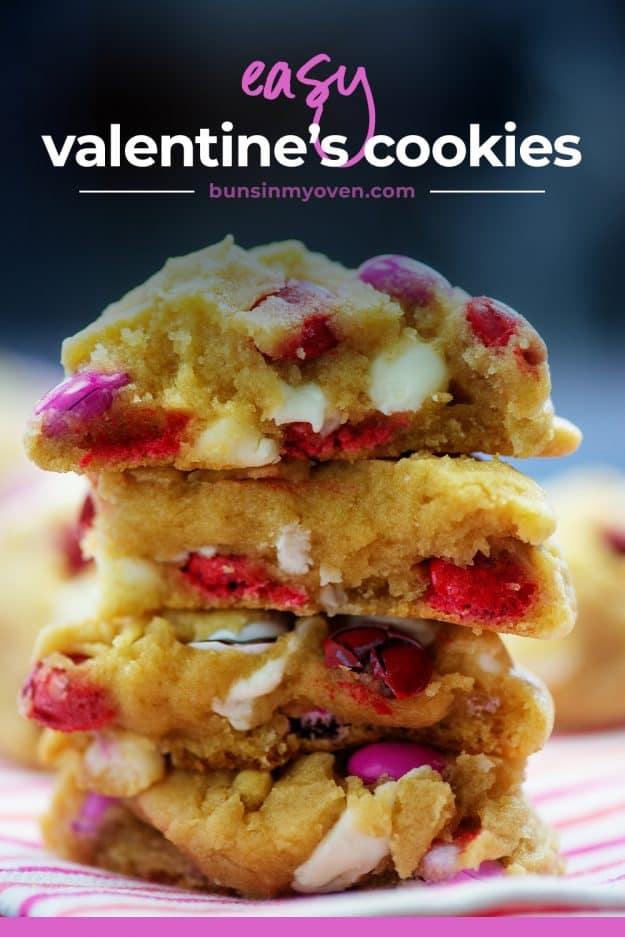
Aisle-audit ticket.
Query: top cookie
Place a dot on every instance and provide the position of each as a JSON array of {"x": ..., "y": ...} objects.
[{"x": 230, "y": 358}]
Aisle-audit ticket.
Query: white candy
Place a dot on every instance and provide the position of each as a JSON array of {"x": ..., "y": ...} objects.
[
  {"x": 293, "y": 549},
  {"x": 304, "y": 404},
  {"x": 404, "y": 376},
  {"x": 342, "y": 857}
]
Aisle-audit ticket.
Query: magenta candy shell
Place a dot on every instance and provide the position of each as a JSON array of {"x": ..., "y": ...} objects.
[
  {"x": 403, "y": 278},
  {"x": 392, "y": 760},
  {"x": 83, "y": 396}
]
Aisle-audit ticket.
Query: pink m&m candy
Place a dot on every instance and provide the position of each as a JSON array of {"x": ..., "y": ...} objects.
[
  {"x": 392, "y": 760},
  {"x": 88, "y": 821},
  {"x": 402, "y": 278},
  {"x": 83, "y": 396}
]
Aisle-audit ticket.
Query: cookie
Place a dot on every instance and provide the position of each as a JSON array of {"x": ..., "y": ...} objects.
[
  {"x": 436, "y": 537},
  {"x": 230, "y": 358},
  {"x": 377, "y": 815},
  {"x": 586, "y": 671},
  {"x": 226, "y": 689}
]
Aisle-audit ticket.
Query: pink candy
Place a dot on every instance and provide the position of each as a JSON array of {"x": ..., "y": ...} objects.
[
  {"x": 488, "y": 869},
  {"x": 90, "y": 817},
  {"x": 440, "y": 865},
  {"x": 403, "y": 279},
  {"x": 83, "y": 396},
  {"x": 392, "y": 760}
]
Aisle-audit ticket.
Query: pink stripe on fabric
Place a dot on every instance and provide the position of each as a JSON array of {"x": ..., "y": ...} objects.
[
  {"x": 184, "y": 899},
  {"x": 604, "y": 867},
  {"x": 594, "y": 847},
  {"x": 124, "y": 910},
  {"x": 15, "y": 815},
  {"x": 590, "y": 785},
  {"x": 21, "y": 786},
  {"x": 63, "y": 870},
  {"x": 586, "y": 817},
  {"x": 16, "y": 841}
]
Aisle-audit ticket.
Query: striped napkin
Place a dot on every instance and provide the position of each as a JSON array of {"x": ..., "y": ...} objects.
[{"x": 577, "y": 783}]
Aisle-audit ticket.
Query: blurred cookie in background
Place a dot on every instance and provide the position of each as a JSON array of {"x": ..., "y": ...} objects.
[
  {"x": 43, "y": 574},
  {"x": 586, "y": 670}
]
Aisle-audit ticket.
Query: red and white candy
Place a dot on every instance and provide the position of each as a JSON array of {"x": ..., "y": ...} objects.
[
  {"x": 395, "y": 658},
  {"x": 306, "y": 308}
]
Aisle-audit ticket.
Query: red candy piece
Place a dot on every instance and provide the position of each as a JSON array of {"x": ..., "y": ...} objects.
[
  {"x": 492, "y": 322},
  {"x": 87, "y": 514},
  {"x": 315, "y": 337},
  {"x": 144, "y": 436},
  {"x": 352, "y": 646},
  {"x": 312, "y": 334},
  {"x": 406, "y": 670},
  {"x": 300, "y": 442},
  {"x": 491, "y": 591},
  {"x": 236, "y": 579},
  {"x": 615, "y": 539},
  {"x": 60, "y": 699},
  {"x": 70, "y": 539},
  {"x": 397, "y": 659},
  {"x": 533, "y": 356}
]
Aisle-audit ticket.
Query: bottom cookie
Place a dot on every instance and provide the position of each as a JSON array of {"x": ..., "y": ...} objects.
[{"x": 385, "y": 813}]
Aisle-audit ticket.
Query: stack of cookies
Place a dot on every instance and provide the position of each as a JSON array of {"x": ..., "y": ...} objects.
[{"x": 294, "y": 680}]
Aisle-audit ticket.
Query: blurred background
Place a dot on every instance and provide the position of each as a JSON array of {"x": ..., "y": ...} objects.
[{"x": 434, "y": 67}]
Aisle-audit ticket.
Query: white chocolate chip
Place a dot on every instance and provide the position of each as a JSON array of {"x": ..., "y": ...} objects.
[
  {"x": 121, "y": 764},
  {"x": 304, "y": 404},
  {"x": 441, "y": 862},
  {"x": 329, "y": 574},
  {"x": 178, "y": 558},
  {"x": 404, "y": 376},
  {"x": 237, "y": 708},
  {"x": 342, "y": 857},
  {"x": 252, "y": 631},
  {"x": 293, "y": 549},
  {"x": 129, "y": 573},
  {"x": 236, "y": 444},
  {"x": 489, "y": 663},
  {"x": 250, "y": 647},
  {"x": 254, "y": 638},
  {"x": 332, "y": 598},
  {"x": 207, "y": 552}
]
